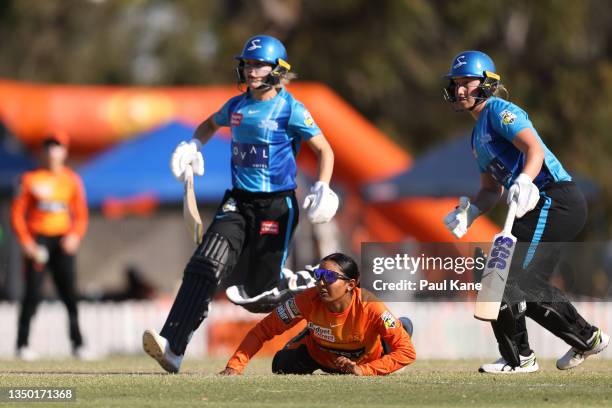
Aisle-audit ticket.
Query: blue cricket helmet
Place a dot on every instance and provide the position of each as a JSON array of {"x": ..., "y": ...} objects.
[
  {"x": 471, "y": 64},
  {"x": 264, "y": 48}
]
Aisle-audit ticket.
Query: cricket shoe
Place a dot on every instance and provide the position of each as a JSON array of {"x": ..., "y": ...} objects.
[
  {"x": 158, "y": 347},
  {"x": 529, "y": 364},
  {"x": 25, "y": 353},
  {"x": 574, "y": 357},
  {"x": 85, "y": 354},
  {"x": 407, "y": 325}
]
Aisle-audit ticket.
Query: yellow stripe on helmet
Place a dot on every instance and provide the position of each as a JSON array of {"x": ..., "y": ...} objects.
[
  {"x": 284, "y": 64},
  {"x": 493, "y": 75}
]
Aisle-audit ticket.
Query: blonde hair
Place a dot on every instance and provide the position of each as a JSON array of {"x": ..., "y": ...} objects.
[
  {"x": 501, "y": 91},
  {"x": 286, "y": 79}
]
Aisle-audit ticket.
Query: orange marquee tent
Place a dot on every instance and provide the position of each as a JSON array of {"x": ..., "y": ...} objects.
[{"x": 98, "y": 116}]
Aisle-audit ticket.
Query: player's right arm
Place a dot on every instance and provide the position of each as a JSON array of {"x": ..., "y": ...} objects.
[
  {"x": 206, "y": 130},
  {"x": 280, "y": 320},
  {"x": 461, "y": 218},
  {"x": 489, "y": 194},
  {"x": 188, "y": 153},
  {"x": 19, "y": 210}
]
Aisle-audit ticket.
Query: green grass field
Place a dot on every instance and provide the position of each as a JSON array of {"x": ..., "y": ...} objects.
[{"x": 137, "y": 381}]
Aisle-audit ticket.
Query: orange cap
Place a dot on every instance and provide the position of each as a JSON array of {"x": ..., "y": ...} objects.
[{"x": 58, "y": 136}]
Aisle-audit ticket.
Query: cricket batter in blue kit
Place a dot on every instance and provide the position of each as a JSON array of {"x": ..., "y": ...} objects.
[
  {"x": 551, "y": 209},
  {"x": 255, "y": 222}
]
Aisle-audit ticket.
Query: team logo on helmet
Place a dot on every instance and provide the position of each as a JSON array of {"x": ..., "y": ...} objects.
[
  {"x": 254, "y": 44},
  {"x": 459, "y": 61}
]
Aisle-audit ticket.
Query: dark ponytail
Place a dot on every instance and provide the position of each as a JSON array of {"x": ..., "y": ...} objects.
[{"x": 347, "y": 265}]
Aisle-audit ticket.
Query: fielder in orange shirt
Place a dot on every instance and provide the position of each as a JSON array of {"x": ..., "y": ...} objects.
[
  {"x": 348, "y": 330},
  {"x": 49, "y": 216}
]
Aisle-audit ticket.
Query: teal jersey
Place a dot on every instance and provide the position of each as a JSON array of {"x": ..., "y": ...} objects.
[
  {"x": 266, "y": 138},
  {"x": 497, "y": 125}
]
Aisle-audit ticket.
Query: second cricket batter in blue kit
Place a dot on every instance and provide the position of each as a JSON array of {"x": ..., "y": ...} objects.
[
  {"x": 550, "y": 210},
  {"x": 255, "y": 221}
]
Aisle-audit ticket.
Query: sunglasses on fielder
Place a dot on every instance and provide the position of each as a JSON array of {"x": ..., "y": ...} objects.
[{"x": 329, "y": 276}]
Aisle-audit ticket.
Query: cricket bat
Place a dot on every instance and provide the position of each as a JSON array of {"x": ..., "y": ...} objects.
[
  {"x": 496, "y": 271},
  {"x": 193, "y": 222}
]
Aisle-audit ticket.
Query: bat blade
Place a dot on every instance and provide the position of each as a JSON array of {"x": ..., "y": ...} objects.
[
  {"x": 496, "y": 271},
  {"x": 191, "y": 215}
]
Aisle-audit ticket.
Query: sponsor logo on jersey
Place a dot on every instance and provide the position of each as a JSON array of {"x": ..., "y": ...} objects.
[
  {"x": 236, "y": 119},
  {"x": 352, "y": 354},
  {"x": 283, "y": 314},
  {"x": 268, "y": 227},
  {"x": 322, "y": 332},
  {"x": 52, "y": 206},
  {"x": 268, "y": 124},
  {"x": 292, "y": 308},
  {"x": 252, "y": 112},
  {"x": 499, "y": 171},
  {"x": 250, "y": 155},
  {"x": 507, "y": 117},
  {"x": 42, "y": 190},
  {"x": 230, "y": 205},
  {"x": 388, "y": 320}
]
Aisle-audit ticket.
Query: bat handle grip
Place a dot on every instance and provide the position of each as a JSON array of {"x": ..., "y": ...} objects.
[
  {"x": 511, "y": 216},
  {"x": 188, "y": 176}
]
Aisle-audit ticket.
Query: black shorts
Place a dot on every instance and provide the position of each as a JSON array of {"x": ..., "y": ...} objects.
[
  {"x": 558, "y": 217},
  {"x": 259, "y": 227}
]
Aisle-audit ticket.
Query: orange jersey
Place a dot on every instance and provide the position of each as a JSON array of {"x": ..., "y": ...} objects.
[
  {"x": 355, "y": 333},
  {"x": 49, "y": 204}
]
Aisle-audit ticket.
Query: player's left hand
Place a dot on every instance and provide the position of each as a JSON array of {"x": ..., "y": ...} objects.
[
  {"x": 525, "y": 193},
  {"x": 347, "y": 366},
  {"x": 70, "y": 243},
  {"x": 229, "y": 371},
  {"x": 322, "y": 203}
]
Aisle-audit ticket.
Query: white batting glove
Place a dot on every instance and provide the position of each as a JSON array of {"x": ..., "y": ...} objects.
[
  {"x": 525, "y": 193},
  {"x": 459, "y": 220},
  {"x": 185, "y": 154},
  {"x": 322, "y": 203}
]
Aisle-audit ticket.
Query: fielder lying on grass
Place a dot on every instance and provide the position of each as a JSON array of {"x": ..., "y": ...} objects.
[{"x": 348, "y": 330}]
